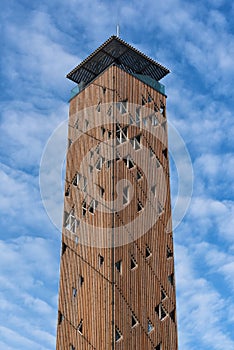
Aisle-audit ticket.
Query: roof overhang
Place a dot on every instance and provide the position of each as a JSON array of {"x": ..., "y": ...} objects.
[{"x": 118, "y": 52}]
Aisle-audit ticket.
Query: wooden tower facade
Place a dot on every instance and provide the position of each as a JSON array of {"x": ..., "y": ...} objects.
[{"x": 117, "y": 286}]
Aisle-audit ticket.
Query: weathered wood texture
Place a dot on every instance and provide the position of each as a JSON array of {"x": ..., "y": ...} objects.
[{"x": 100, "y": 301}]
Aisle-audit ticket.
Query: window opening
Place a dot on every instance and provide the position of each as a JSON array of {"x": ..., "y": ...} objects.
[
  {"x": 72, "y": 347},
  {"x": 90, "y": 169},
  {"x": 80, "y": 327},
  {"x": 64, "y": 248},
  {"x": 99, "y": 163},
  {"x": 160, "y": 311},
  {"x": 138, "y": 119},
  {"x": 118, "y": 265},
  {"x": 169, "y": 253},
  {"x": 69, "y": 143},
  {"x": 171, "y": 279},
  {"x": 139, "y": 175},
  {"x": 145, "y": 121},
  {"x": 149, "y": 98},
  {"x": 74, "y": 292},
  {"x": 153, "y": 190},
  {"x": 60, "y": 317},
  {"x": 172, "y": 315},
  {"x": 164, "y": 152},
  {"x": 100, "y": 260},
  {"x": 131, "y": 120},
  {"x": 86, "y": 123},
  {"x": 158, "y": 347},
  {"x": 133, "y": 263},
  {"x": 103, "y": 130},
  {"x": 76, "y": 239},
  {"x": 134, "y": 321},
  {"x": 121, "y": 133},
  {"x": 92, "y": 206},
  {"x": 136, "y": 142},
  {"x": 118, "y": 334},
  {"x": 98, "y": 108},
  {"x": 109, "y": 133},
  {"x": 81, "y": 280},
  {"x": 143, "y": 100},
  {"x": 139, "y": 206},
  {"x": 147, "y": 252},
  {"x": 154, "y": 120},
  {"x": 122, "y": 106},
  {"x": 84, "y": 208},
  {"x": 151, "y": 152},
  {"x": 67, "y": 192},
  {"x": 109, "y": 111},
  {"x": 125, "y": 195},
  {"x": 160, "y": 208},
  {"x": 150, "y": 326},
  {"x": 70, "y": 222},
  {"x": 163, "y": 295},
  {"x": 129, "y": 162},
  {"x": 157, "y": 163}
]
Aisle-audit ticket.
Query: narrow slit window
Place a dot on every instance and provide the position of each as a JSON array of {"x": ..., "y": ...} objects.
[
  {"x": 72, "y": 347},
  {"x": 80, "y": 327},
  {"x": 86, "y": 123},
  {"x": 74, "y": 292},
  {"x": 171, "y": 279},
  {"x": 169, "y": 253},
  {"x": 103, "y": 130},
  {"x": 143, "y": 100},
  {"x": 98, "y": 108},
  {"x": 100, "y": 260},
  {"x": 70, "y": 222},
  {"x": 154, "y": 120},
  {"x": 84, "y": 208},
  {"x": 149, "y": 98},
  {"x": 122, "y": 106},
  {"x": 164, "y": 152},
  {"x": 133, "y": 263},
  {"x": 153, "y": 190},
  {"x": 126, "y": 195},
  {"x": 64, "y": 248},
  {"x": 90, "y": 169},
  {"x": 150, "y": 326},
  {"x": 67, "y": 192},
  {"x": 160, "y": 208},
  {"x": 131, "y": 120},
  {"x": 118, "y": 265},
  {"x": 92, "y": 206},
  {"x": 99, "y": 163},
  {"x": 138, "y": 118},
  {"x": 81, "y": 280}
]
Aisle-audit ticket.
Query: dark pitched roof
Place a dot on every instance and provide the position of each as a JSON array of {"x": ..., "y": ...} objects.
[{"x": 118, "y": 52}]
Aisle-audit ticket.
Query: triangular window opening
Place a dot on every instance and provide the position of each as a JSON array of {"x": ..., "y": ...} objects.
[
  {"x": 103, "y": 130},
  {"x": 99, "y": 163},
  {"x": 149, "y": 97},
  {"x": 154, "y": 120},
  {"x": 160, "y": 208},
  {"x": 160, "y": 311},
  {"x": 72, "y": 347},
  {"x": 158, "y": 164},
  {"x": 133, "y": 263},
  {"x": 93, "y": 206},
  {"x": 80, "y": 327},
  {"x": 128, "y": 161},
  {"x": 100, "y": 260},
  {"x": 118, "y": 265},
  {"x": 118, "y": 335},
  {"x": 122, "y": 106},
  {"x": 158, "y": 347},
  {"x": 150, "y": 326},
  {"x": 163, "y": 295},
  {"x": 70, "y": 222},
  {"x": 139, "y": 175},
  {"x": 143, "y": 100},
  {"x": 139, "y": 206},
  {"x": 147, "y": 252},
  {"x": 134, "y": 321},
  {"x": 172, "y": 315},
  {"x": 136, "y": 142},
  {"x": 131, "y": 120}
]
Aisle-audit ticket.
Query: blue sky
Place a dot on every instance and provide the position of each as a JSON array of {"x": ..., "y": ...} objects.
[{"x": 41, "y": 41}]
